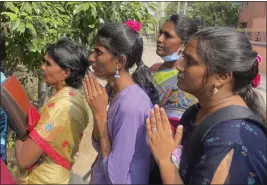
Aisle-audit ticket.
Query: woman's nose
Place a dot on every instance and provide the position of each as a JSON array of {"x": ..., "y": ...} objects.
[
  {"x": 92, "y": 57},
  {"x": 160, "y": 38},
  {"x": 43, "y": 67}
]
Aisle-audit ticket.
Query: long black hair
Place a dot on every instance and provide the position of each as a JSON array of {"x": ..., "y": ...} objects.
[
  {"x": 226, "y": 50},
  {"x": 70, "y": 55},
  {"x": 120, "y": 39}
]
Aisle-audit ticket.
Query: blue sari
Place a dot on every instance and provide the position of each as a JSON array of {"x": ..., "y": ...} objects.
[
  {"x": 3, "y": 127},
  {"x": 172, "y": 99}
]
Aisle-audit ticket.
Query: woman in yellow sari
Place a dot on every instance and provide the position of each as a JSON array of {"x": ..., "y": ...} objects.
[{"x": 47, "y": 155}]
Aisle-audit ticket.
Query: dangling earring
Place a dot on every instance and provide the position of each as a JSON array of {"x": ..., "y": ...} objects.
[
  {"x": 215, "y": 90},
  {"x": 63, "y": 83},
  {"x": 117, "y": 73}
]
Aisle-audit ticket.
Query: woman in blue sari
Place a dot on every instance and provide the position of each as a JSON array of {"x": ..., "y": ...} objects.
[{"x": 3, "y": 116}]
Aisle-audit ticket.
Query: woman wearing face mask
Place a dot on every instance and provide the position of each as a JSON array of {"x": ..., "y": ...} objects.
[
  {"x": 119, "y": 132},
  {"x": 47, "y": 155},
  {"x": 220, "y": 68},
  {"x": 174, "y": 34}
]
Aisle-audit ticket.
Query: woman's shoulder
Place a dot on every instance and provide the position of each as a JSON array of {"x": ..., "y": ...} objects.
[
  {"x": 69, "y": 97},
  {"x": 155, "y": 67},
  {"x": 237, "y": 130},
  {"x": 135, "y": 98}
]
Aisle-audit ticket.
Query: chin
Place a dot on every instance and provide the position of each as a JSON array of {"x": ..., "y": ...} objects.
[
  {"x": 185, "y": 89},
  {"x": 99, "y": 75},
  {"x": 181, "y": 86},
  {"x": 160, "y": 53}
]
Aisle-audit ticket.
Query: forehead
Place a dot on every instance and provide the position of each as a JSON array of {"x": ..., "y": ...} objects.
[
  {"x": 192, "y": 51},
  {"x": 49, "y": 59},
  {"x": 100, "y": 47},
  {"x": 169, "y": 27}
]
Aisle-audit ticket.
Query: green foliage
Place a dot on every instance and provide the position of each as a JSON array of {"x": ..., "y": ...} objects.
[
  {"x": 173, "y": 7},
  {"x": 30, "y": 26},
  {"x": 207, "y": 13},
  {"x": 223, "y": 13}
]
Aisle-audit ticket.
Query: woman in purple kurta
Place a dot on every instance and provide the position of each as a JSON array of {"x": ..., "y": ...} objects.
[
  {"x": 119, "y": 134},
  {"x": 129, "y": 159}
]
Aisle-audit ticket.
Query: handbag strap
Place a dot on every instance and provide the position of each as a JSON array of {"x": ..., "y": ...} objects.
[{"x": 232, "y": 112}]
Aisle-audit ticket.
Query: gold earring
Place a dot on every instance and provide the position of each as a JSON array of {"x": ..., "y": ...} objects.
[{"x": 215, "y": 90}]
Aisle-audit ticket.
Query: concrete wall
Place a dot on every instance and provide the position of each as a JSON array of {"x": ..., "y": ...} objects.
[
  {"x": 254, "y": 10},
  {"x": 260, "y": 25},
  {"x": 254, "y": 14}
]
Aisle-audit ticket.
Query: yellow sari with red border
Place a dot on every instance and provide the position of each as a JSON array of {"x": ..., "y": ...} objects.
[{"x": 58, "y": 133}]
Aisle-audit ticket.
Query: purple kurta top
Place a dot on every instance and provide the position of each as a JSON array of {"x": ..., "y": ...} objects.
[{"x": 129, "y": 160}]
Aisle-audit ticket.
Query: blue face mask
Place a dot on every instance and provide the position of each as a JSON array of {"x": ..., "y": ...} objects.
[{"x": 173, "y": 57}]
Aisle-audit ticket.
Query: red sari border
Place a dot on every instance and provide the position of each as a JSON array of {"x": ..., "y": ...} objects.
[{"x": 49, "y": 150}]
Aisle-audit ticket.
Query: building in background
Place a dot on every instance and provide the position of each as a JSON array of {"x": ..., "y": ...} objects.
[{"x": 252, "y": 20}]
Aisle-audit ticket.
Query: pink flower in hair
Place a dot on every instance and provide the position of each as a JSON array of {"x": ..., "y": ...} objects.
[
  {"x": 256, "y": 81},
  {"x": 259, "y": 58},
  {"x": 135, "y": 25}
]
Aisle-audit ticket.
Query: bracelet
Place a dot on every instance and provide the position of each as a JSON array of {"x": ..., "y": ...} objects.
[{"x": 176, "y": 156}]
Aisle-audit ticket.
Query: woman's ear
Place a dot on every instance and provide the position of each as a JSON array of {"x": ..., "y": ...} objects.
[
  {"x": 66, "y": 73},
  {"x": 121, "y": 62},
  {"x": 224, "y": 78}
]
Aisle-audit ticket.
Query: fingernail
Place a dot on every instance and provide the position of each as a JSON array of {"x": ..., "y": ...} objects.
[
  {"x": 180, "y": 127},
  {"x": 156, "y": 106},
  {"x": 152, "y": 111},
  {"x": 161, "y": 109}
]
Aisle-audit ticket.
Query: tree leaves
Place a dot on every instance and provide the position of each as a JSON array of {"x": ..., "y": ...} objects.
[
  {"x": 11, "y": 16},
  {"x": 207, "y": 13},
  {"x": 12, "y": 7},
  {"x": 215, "y": 13},
  {"x": 29, "y": 26},
  {"x": 35, "y": 8},
  {"x": 15, "y": 24},
  {"x": 21, "y": 27}
]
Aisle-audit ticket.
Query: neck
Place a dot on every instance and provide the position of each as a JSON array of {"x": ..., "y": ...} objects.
[
  {"x": 121, "y": 83},
  {"x": 219, "y": 100},
  {"x": 169, "y": 65},
  {"x": 58, "y": 87}
]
